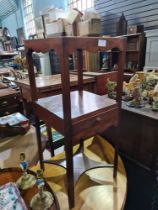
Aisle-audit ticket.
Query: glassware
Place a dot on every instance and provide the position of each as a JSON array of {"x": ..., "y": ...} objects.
[
  {"x": 43, "y": 200},
  {"x": 26, "y": 181}
]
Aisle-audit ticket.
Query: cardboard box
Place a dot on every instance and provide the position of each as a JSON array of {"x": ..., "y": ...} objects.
[
  {"x": 89, "y": 27},
  {"x": 71, "y": 22},
  {"x": 40, "y": 35},
  {"x": 70, "y": 29},
  {"x": 73, "y": 16},
  {"x": 56, "y": 14},
  {"x": 54, "y": 28}
]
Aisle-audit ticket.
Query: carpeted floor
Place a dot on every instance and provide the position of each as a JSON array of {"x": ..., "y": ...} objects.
[
  {"x": 95, "y": 189},
  {"x": 140, "y": 187}
]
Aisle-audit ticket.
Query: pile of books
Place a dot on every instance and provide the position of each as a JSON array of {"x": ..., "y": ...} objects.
[{"x": 13, "y": 124}]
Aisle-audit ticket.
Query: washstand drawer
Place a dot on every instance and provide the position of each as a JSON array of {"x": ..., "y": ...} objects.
[{"x": 94, "y": 124}]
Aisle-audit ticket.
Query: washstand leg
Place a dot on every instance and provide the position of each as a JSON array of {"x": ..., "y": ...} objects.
[
  {"x": 50, "y": 139},
  {"x": 70, "y": 174},
  {"x": 39, "y": 142}
]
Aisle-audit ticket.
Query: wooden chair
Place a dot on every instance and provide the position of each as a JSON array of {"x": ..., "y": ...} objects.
[{"x": 77, "y": 114}]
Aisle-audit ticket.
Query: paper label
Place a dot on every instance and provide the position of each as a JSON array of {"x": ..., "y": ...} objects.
[{"x": 101, "y": 43}]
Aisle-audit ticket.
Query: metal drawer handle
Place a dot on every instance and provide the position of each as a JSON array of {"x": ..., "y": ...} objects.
[
  {"x": 4, "y": 103},
  {"x": 6, "y": 113},
  {"x": 98, "y": 119}
]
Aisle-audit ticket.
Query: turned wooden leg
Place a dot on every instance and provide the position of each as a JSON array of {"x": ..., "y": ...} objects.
[
  {"x": 39, "y": 142},
  {"x": 50, "y": 139}
]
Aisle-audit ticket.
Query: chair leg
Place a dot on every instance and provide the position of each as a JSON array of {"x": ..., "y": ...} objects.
[
  {"x": 70, "y": 174},
  {"x": 39, "y": 142},
  {"x": 115, "y": 162},
  {"x": 50, "y": 139}
]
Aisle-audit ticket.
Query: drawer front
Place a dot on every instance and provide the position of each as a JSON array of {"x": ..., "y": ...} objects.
[
  {"x": 5, "y": 102},
  {"x": 8, "y": 110},
  {"x": 95, "y": 125}
]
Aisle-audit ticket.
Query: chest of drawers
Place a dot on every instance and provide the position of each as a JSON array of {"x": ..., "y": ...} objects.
[{"x": 9, "y": 101}]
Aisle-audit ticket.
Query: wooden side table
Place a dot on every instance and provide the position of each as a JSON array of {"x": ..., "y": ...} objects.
[{"x": 12, "y": 174}]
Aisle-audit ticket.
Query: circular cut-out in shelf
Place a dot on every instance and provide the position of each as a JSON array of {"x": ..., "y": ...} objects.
[{"x": 95, "y": 189}]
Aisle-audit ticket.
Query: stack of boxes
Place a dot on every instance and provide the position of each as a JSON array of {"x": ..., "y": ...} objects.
[
  {"x": 57, "y": 22},
  {"x": 90, "y": 24}
]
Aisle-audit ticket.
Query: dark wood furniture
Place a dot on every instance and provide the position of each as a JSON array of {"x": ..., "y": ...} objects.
[
  {"x": 12, "y": 175},
  {"x": 9, "y": 101},
  {"x": 138, "y": 135},
  {"x": 135, "y": 55},
  {"x": 51, "y": 85},
  {"x": 48, "y": 86},
  {"x": 135, "y": 52},
  {"x": 78, "y": 114},
  {"x": 100, "y": 80}
]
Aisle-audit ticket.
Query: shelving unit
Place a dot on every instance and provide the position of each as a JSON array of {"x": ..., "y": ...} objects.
[
  {"x": 135, "y": 52},
  {"x": 79, "y": 114},
  {"x": 135, "y": 55}
]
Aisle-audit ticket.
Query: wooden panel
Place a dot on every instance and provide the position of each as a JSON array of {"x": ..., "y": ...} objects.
[
  {"x": 95, "y": 124},
  {"x": 136, "y": 12},
  {"x": 133, "y": 135}
]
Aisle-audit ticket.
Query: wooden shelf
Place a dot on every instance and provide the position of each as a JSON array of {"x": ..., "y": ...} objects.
[
  {"x": 83, "y": 103},
  {"x": 87, "y": 110}
]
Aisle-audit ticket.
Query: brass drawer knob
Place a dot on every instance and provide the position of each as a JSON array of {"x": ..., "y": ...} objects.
[
  {"x": 6, "y": 113},
  {"x": 4, "y": 103},
  {"x": 98, "y": 119}
]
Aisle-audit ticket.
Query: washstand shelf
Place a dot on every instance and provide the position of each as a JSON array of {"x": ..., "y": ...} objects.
[{"x": 78, "y": 114}]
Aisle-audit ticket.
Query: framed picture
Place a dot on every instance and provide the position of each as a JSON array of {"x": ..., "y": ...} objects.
[{"x": 39, "y": 24}]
